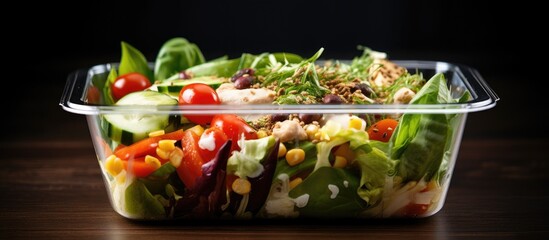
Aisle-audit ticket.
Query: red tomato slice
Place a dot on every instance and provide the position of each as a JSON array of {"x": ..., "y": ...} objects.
[
  {"x": 382, "y": 130},
  {"x": 191, "y": 164},
  {"x": 210, "y": 142},
  {"x": 234, "y": 127}
]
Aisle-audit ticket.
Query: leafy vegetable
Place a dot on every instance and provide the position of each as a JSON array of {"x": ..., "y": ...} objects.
[
  {"x": 308, "y": 164},
  {"x": 107, "y": 94},
  {"x": 219, "y": 68},
  {"x": 176, "y": 55},
  {"x": 420, "y": 139},
  {"x": 375, "y": 166},
  {"x": 295, "y": 79},
  {"x": 332, "y": 192},
  {"x": 262, "y": 183},
  {"x": 134, "y": 61},
  {"x": 247, "y": 162},
  {"x": 140, "y": 203}
]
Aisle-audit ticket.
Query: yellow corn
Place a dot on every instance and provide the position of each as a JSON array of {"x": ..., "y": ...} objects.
[
  {"x": 241, "y": 186},
  {"x": 344, "y": 150},
  {"x": 121, "y": 177},
  {"x": 295, "y": 156},
  {"x": 295, "y": 182},
  {"x": 162, "y": 153},
  {"x": 261, "y": 134},
  {"x": 113, "y": 165},
  {"x": 166, "y": 145},
  {"x": 340, "y": 162},
  {"x": 355, "y": 123},
  {"x": 197, "y": 129},
  {"x": 152, "y": 161},
  {"x": 176, "y": 156},
  {"x": 281, "y": 150},
  {"x": 431, "y": 185},
  {"x": 157, "y": 133},
  {"x": 311, "y": 131}
]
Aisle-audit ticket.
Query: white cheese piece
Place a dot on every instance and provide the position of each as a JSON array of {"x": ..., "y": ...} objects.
[
  {"x": 207, "y": 141},
  {"x": 302, "y": 201},
  {"x": 334, "y": 189}
]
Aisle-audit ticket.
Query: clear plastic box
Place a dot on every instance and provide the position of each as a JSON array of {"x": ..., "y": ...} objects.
[{"x": 158, "y": 196}]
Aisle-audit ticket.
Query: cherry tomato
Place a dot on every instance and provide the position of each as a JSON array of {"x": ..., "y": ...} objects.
[
  {"x": 198, "y": 93},
  {"x": 93, "y": 95},
  {"x": 234, "y": 127},
  {"x": 382, "y": 130},
  {"x": 212, "y": 138},
  {"x": 128, "y": 83},
  {"x": 414, "y": 210},
  {"x": 191, "y": 164}
]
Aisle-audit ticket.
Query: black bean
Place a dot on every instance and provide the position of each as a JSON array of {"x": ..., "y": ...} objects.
[
  {"x": 332, "y": 99},
  {"x": 243, "y": 82},
  {"x": 184, "y": 75},
  {"x": 364, "y": 88},
  {"x": 243, "y": 72},
  {"x": 309, "y": 118},
  {"x": 279, "y": 117}
]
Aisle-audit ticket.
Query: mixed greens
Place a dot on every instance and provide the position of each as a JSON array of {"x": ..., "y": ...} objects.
[{"x": 161, "y": 166}]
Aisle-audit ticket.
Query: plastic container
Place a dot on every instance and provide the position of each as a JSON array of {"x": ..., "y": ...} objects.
[{"x": 361, "y": 191}]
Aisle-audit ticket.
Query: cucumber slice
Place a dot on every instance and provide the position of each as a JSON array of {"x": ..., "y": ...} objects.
[
  {"x": 130, "y": 128},
  {"x": 173, "y": 87}
]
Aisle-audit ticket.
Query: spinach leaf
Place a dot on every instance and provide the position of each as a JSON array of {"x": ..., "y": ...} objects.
[
  {"x": 282, "y": 167},
  {"x": 420, "y": 140},
  {"x": 176, "y": 55},
  {"x": 134, "y": 61},
  {"x": 219, "y": 68},
  {"x": 107, "y": 94},
  {"x": 140, "y": 203},
  {"x": 332, "y": 192}
]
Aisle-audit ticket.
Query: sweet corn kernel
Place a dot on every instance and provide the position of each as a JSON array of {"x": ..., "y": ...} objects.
[
  {"x": 344, "y": 150},
  {"x": 311, "y": 131},
  {"x": 166, "y": 145},
  {"x": 121, "y": 177},
  {"x": 281, "y": 150},
  {"x": 431, "y": 185},
  {"x": 176, "y": 156},
  {"x": 356, "y": 123},
  {"x": 261, "y": 134},
  {"x": 340, "y": 162},
  {"x": 197, "y": 129},
  {"x": 295, "y": 182},
  {"x": 295, "y": 156},
  {"x": 152, "y": 161},
  {"x": 113, "y": 165},
  {"x": 162, "y": 153},
  {"x": 157, "y": 133},
  {"x": 241, "y": 186}
]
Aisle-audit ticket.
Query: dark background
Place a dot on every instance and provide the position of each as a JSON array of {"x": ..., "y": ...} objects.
[{"x": 47, "y": 41}]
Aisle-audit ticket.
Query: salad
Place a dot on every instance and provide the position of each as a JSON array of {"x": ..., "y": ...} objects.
[{"x": 164, "y": 166}]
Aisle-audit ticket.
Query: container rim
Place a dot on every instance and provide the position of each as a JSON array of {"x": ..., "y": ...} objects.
[{"x": 72, "y": 99}]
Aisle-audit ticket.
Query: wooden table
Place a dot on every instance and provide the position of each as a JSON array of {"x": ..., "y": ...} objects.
[{"x": 53, "y": 189}]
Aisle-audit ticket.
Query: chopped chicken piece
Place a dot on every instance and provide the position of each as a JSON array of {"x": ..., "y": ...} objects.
[
  {"x": 289, "y": 130},
  {"x": 383, "y": 73},
  {"x": 403, "y": 96},
  {"x": 228, "y": 94}
]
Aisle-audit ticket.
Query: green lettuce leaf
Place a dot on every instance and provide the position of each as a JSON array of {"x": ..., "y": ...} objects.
[{"x": 247, "y": 161}]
